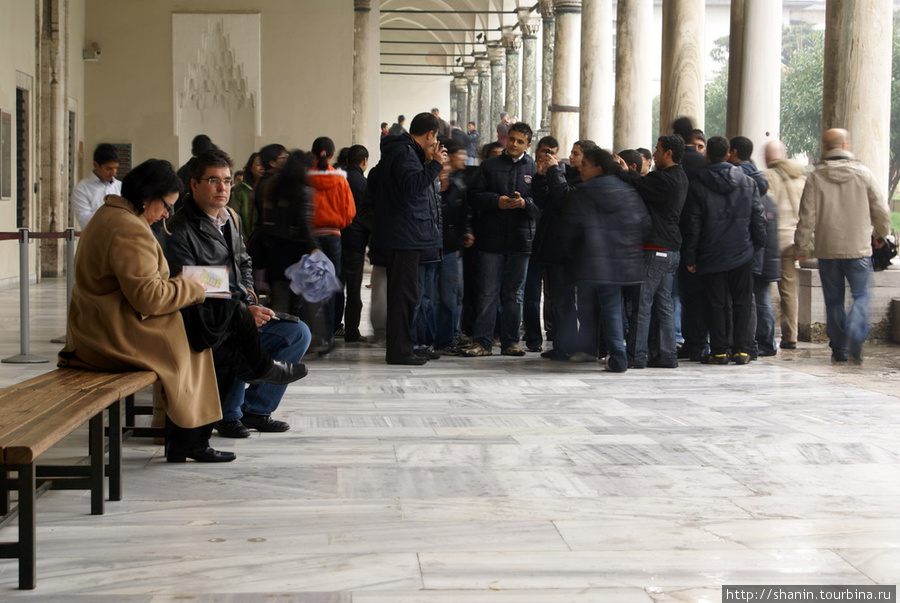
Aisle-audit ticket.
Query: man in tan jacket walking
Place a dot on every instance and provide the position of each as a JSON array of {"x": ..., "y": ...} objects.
[
  {"x": 843, "y": 204},
  {"x": 786, "y": 179}
]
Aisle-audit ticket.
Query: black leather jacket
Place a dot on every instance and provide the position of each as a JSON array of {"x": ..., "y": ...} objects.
[{"x": 195, "y": 241}]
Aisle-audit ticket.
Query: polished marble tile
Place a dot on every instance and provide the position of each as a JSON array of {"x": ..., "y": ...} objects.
[{"x": 510, "y": 480}]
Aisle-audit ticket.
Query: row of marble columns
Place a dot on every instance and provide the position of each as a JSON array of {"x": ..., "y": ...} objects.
[{"x": 579, "y": 86}]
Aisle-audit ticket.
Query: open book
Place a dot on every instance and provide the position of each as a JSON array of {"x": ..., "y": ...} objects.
[{"x": 213, "y": 278}]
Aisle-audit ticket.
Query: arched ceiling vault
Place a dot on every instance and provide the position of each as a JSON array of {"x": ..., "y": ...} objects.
[{"x": 428, "y": 37}]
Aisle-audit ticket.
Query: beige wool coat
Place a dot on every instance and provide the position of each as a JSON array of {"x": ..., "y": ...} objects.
[{"x": 124, "y": 314}]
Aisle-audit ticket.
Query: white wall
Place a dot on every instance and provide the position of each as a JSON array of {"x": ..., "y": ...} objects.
[{"x": 306, "y": 56}]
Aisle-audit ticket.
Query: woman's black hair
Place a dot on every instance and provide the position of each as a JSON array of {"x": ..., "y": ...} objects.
[
  {"x": 249, "y": 176},
  {"x": 150, "y": 181},
  {"x": 322, "y": 150},
  {"x": 290, "y": 184}
]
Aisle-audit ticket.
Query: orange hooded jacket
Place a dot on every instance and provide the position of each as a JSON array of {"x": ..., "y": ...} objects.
[{"x": 332, "y": 201}]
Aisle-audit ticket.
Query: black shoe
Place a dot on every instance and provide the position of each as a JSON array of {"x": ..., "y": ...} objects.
[
  {"x": 636, "y": 365},
  {"x": 176, "y": 453},
  {"x": 658, "y": 364},
  {"x": 555, "y": 354},
  {"x": 856, "y": 359},
  {"x": 719, "y": 359},
  {"x": 411, "y": 360},
  {"x": 264, "y": 423},
  {"x": 788, "y": 345},
  {"x": 232, "y": 429},
  {"x": 427, "y": 353},
  {"x": 534, "y": 347},
  {"x": 356, "y": 339},
  {"x": 839, "y": 357},
  {"x": 282, "y": 373}
]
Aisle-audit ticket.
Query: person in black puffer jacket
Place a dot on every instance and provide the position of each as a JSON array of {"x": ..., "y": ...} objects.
[
  {"x": 504, "y": 230},
  {"x": 767, "y": 260},
  {"x": 724, "y": 222},
  {"x": 604, "y": 223}
]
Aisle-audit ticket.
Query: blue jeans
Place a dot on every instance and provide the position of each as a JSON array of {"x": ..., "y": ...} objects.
[
  {"x": 423, "y": 321},
  {"x": 600, "y": 310},
  {"x": 500, "y": 275},
  {"x": 287, "y": 341},
  {"x": 449, "y": 300},
  {"x": 656, "y": 301},
  {"x": 846, "y": 331},
  {"x": 765, "y": 316}
]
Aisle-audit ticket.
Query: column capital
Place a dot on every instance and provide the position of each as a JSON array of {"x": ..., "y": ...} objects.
[
  {"x": 567, "y": 6},
  {"x": 461, "y": 83},
  {"x": 548, "y": 12},
  {"x": 483, "y": 64},
  {"x": 496, "y": 52},
  {"x": 471, "y": 73},
  {"x": 511, "y": 41},
  {"x": 362, "y": 6},
  {"x": 529, "y": 25}
]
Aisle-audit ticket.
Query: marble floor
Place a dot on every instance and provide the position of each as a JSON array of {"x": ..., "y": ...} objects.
[{"x": 486, "y": 480}]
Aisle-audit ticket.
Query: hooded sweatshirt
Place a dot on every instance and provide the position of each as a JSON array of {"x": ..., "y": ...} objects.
[
  {"x": 786, "y": 180},
  {"x": 332, "y": 201},
  {"x": 723, "y": 220},
  {"x": 843, "y": 204}
]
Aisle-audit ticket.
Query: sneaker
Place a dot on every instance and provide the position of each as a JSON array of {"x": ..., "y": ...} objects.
[
  {"x": 513, "y": 350},
  {"x": 582, "y": 357},
  {"x": 449, "y": 351},
  {"x": 264, "y": 423},
  {"x": 534, "y": 347},
  {"x": 741, "y": 358},
  {"x": 233, "y": 428},
  {"x": 717, "y": 359},
  {"x": 427, "y": 352},
  {"x": 339, "y": 332},
  {"x": 476, "y": 349}
]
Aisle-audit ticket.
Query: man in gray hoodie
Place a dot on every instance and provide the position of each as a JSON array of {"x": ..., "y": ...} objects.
[{"x": 843, "y": 204}]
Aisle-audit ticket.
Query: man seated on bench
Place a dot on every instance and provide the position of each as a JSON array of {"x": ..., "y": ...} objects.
[{"x": 124, "y": 313}]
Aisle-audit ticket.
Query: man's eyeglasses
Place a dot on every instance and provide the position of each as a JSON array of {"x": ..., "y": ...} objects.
[{"x": 217, "y": 181}]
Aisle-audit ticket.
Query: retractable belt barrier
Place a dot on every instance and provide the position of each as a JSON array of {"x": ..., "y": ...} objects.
[{"x": 23, "y": 236}]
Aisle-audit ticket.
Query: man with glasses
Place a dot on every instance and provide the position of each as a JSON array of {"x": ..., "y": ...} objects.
[{"x": 206, "y": 233}]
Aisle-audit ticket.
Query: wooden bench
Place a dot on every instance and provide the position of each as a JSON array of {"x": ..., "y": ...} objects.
[{"x": 38, "y": 413}]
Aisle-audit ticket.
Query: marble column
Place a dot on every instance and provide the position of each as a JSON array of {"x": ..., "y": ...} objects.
[
  {"x": 754, "y": 96},
  {"x": 474, "y": 93},
  {"x": 52, "y": 210},
  {"x": 548, "y": 34},
  {"x": 681, "y": 87},
  {"x": 359, "y": 128},
  {"x": 597, "y": 91},
  {"x": 856, "y": 87},
  {"x": 565, "y": 110},
  {"x": 485, "y": 123},
  {"x": 462, "y": 101},
  {"x": 529, "y": 26},
  {"x": 512, "y": 43},
  {"x": 454, "y": 101},
  {"x": 632, "y": 119},
  {"x": 496, "y": 54}
]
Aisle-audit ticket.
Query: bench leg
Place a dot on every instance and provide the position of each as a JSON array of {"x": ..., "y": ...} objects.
[
  {"x": 115, "y": 451},
  {"x": 129, "y": 410},
  {"x": 98, "y": 463},
  {"x": 4, "y": 491},
  {"x": 27, "y": 529}
]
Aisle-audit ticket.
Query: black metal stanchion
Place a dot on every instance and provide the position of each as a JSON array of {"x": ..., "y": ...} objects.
[
  {"x": 70, "y": 275},
  {"x": 24, "y": 318}
]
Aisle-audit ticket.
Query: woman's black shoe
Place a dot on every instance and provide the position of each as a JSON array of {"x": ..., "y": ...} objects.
[
  {"x": 176, "y": 453},
  {"x": 281, "y": 373}
]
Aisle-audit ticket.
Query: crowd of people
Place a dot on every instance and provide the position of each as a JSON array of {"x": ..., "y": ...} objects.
[{"x": 641, "y": 267}]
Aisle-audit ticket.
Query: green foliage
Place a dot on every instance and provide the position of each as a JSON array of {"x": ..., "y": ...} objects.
[
  {"x": 803, "y": 52},
  {"x": 895, "y": 221}
]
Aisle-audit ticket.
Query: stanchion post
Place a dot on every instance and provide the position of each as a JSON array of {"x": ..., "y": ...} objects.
[
  {"x": 70, "y": 275},
  {"x": 24, "y": 298}
]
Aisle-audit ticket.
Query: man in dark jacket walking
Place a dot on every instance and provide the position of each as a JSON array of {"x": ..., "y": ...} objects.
[
  {"x": 504, "y": 230},
  {"x": 405, "y": 230},
  {"x": 723, "y": 223},
  {"x": 663, "y": 191},
  {"x": 354, "y": 240}
]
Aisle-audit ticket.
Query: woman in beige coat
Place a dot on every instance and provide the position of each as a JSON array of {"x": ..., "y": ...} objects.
[{"x": 124, "y": 313}]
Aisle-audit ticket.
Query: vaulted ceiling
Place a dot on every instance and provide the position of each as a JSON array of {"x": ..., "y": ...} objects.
[{"x": 430, "y": 37}]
